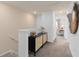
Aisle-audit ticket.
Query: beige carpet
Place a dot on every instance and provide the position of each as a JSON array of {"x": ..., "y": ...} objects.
[{"x": 59, "y": 48}]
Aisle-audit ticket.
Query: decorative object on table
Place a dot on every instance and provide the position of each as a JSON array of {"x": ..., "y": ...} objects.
[
  {"x": 74, "y": 19},
  {"x": 32, "y": 33}
]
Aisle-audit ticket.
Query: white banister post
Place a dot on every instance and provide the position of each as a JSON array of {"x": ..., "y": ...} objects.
[{"x": 23, "y": 43}]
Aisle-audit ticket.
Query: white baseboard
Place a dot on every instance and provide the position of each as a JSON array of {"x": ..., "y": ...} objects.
[{"x": 52, "y": 41}]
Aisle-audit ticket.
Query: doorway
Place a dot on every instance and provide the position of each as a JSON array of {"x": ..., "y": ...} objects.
[{"x": 59, "y": 28}]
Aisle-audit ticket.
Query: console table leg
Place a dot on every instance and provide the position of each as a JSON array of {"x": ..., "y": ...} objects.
[{"x": 34, "y": 53}]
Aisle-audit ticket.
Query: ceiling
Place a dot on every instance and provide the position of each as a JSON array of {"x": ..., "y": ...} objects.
[{"x": 40, "y": 5}]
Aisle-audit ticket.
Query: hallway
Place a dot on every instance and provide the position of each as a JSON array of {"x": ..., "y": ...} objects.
[{"x": 59, "y": 48}]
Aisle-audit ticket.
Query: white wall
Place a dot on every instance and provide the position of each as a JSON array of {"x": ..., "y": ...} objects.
[
  {"x": 73, "y": 40},
  {"x": 11, "y": 20},
  {"x": 46, "y": 20},
  {"x": 74, "y": 43},
  {"x": 54, "y": 26}
]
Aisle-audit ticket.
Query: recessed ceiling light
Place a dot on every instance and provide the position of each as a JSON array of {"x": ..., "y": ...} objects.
[
  {"x": 35, "y": 12},
  {"x": 62, "y": 12}
]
